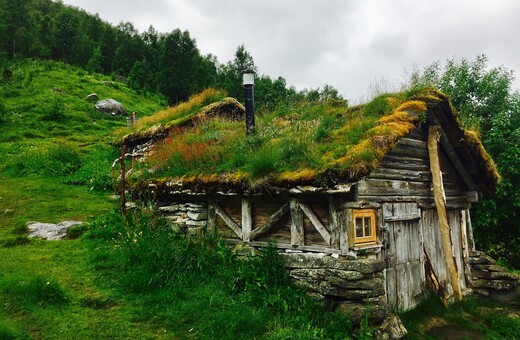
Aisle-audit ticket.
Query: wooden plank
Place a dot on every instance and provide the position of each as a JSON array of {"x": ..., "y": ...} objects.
[
  {"x": 413, "y": 142},
  {"x": 465, "y": 250},
  {"x": 434, "y": 134},
  {"x": 212, "y": 219},
  {"x": 343, "y": 235},
  {"x": 319, "y": 249},
  {"x": 228, "y": 220},
  {"x": 456, "y": 241},
  {"x": 469, "y": 229},
  {"x": 401, "y": 174},
  {"x": 401, "y": 162},
  {"x": 247, "y": 219},
  {"x": 350, "y": 228},
  {"x": 316, "y": 222},
  {"x": 452, "y": 155},
  {"x": 297, "y": 231},
  {"x": 426, "y": 202},
  {"x": 275, "y": 218},
  {"x": 384, "y": 187},
  {"x": 408, "y": 217},
  {"x": 334, "y": 223}
]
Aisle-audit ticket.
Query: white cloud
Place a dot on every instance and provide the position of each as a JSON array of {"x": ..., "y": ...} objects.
[{"x": 347, "y": 44}]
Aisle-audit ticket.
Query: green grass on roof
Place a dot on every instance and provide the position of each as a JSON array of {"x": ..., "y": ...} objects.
[{"x": 301, "y": 144}]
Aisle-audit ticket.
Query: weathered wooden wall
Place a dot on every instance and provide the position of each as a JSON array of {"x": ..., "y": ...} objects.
[{"x": 403, "y": 175}]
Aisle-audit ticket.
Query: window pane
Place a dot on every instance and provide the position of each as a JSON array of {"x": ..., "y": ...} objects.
[
  {"x": 359, "y": 226},
  {"x": 368, "y": 226}
]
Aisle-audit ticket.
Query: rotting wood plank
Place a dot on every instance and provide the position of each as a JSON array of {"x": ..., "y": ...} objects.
[
  {"x": 297, "y": 230},
  {"x": 228, "y": 220},
  {"x": 275, "y": 218},
  {"x": 438, "y": 188},
  {"x": 316, "y": 222},
  {"x": 247, "y": 219}
]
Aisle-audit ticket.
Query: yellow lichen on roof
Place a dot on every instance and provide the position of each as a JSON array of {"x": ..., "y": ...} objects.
[
  {"x": 485, "y": 159},
  {"x": 303, "y": 144}
]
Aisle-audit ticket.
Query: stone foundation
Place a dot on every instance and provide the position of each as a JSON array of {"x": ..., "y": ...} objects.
[
  {"x": 189, "y": 218},
  {"x": 490, "y": 279},
  {"x": 353, "y": 286}
]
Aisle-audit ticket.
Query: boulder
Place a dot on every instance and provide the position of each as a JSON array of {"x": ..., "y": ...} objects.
[
  {"x": 92, "y": 97},
  {"x": 50, "y": 231},
  {"x": 111, "y": 107},
  {"x": 391, "y": 328},
  {"x": 356, "y": 311}
]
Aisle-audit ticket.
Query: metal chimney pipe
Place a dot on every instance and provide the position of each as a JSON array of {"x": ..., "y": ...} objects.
[{"x": 248, "y": 82}]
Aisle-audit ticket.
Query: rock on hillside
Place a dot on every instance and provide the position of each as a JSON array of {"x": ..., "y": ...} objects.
[{"x": 111, "y": 107}]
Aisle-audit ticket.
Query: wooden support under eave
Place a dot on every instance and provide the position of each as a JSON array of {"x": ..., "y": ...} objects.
[
  {"x": 440, "y": 202},
  {"x": 247, "y": 219},
  {"x": 334, "y": 223},
  {"x": 297, "y": 230}
]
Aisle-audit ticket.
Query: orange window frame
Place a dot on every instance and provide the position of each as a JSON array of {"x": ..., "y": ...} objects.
[{"x": 363, "y": 233}]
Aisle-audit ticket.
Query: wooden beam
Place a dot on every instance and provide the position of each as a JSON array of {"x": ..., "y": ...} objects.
[
  {"x": 275, "y": 218},
  {"x": 228, "y": 220},
  {"x": 334, "y": 223},
  {"x": 247, "y": 219},
  {"x": 297, "y": 231},
  {"x": 452, "y": 154},
  {"x": 440, "y": 202},
  {"x": 212, "y": 218},
  {"x": 406, "y": 217},
  {"x": 316, "y": 222},
  {"x": 319, "y": 249}
]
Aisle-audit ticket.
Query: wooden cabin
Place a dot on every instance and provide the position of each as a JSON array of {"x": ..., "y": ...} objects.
[{"x": 382, "y": 220}]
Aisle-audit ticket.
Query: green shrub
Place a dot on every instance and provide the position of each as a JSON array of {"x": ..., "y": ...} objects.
[{"x": 95, "y": 169}]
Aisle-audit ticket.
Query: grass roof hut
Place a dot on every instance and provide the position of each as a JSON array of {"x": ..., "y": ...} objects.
[{"x": 368, "y": 203}]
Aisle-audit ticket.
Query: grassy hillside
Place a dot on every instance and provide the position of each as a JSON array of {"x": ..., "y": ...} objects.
[
  {"x": 132, "y": 278},
  {"x": 44, "y": 114}
]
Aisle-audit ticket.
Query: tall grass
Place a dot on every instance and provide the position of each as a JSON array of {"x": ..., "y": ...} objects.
[
  {"x": 204, "y": 287},
  {"x": 34, "y": 290}
]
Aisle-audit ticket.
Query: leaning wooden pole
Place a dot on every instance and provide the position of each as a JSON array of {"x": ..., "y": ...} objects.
[
  {"x": 123, "y": 181},
  {"x": 440, "y": 203}
]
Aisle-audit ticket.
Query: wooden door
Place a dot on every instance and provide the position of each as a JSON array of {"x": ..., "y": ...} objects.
[{"x": 403, "y": 250}]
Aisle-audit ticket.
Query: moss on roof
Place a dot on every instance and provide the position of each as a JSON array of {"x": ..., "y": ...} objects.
[{"x": 320, "y": 144}]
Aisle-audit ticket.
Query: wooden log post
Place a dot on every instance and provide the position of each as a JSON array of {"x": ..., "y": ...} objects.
[
  {"x": 440, "y": 202},
  {"x": 123, "y": 180},
  {"x": 297, "y": 230},
  {"x": 247, "y": 219}
]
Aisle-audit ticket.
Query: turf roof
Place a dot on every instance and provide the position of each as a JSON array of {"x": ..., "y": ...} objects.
[{"x": 320, "y": 144}]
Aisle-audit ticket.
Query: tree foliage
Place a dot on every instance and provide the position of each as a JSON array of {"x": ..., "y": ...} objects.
[
  {"x": 169, "y": 63},
  {"x": 486, "y": 102}
]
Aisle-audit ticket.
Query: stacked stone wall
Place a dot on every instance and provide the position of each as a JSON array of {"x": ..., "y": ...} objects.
[
  {"x": 355, "y": 287},
  {"x": 190, "y": 218},
  {"x": 490, "y": 279}
]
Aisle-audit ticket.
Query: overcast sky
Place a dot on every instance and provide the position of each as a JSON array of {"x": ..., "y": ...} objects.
[{"x": 349, "y": 44}]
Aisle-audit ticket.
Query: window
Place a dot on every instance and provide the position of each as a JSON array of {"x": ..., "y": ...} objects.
[{"x": 365, "y": 226}]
